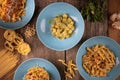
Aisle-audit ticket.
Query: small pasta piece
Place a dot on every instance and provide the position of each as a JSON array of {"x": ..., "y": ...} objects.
[
  {"x": 8, "y": 46},
  {"x": 67, "y": 36},
  {"x": 71, "y": 68},
  {"x": 86, "y": 68},
  {"x": 70, "y": 31},
  {"x": 69, "y": 20},
  {"x": 68, "y": 75},
  {"x": 65, "y": 15},
  {"x": 9, "y": 35},
  {"x": 64, "y": 20},
  {"x": 101, "y": 55}
]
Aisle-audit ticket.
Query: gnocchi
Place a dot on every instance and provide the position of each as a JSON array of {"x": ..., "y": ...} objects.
[{"x": 62, "y": 27}]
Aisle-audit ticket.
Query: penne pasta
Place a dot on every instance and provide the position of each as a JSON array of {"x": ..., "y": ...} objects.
[{"x": 98, "y": 60}]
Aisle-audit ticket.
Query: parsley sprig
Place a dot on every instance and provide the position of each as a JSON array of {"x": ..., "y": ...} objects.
[{"x": 94, "y": 10}]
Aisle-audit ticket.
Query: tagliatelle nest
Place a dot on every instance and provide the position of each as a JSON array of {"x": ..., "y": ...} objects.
[
  {"x": 71, "y": 68},
  {"x": 30, "y": 31}
]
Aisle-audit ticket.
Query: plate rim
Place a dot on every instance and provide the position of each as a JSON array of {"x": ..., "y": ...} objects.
[
  {"x": 42, "y": 11},
  {"x": 15, "y": 28},
  {"x": 42, "y": 59},
  {"x": 107, "y": 37}
]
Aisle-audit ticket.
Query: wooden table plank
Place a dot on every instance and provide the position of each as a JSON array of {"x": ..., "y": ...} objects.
[
  {"x": 114, "y": 6},
  {"x": 91, "y": 29}
]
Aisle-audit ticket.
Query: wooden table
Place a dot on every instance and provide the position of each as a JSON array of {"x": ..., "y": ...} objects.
[{"x": 91, "y": 29}]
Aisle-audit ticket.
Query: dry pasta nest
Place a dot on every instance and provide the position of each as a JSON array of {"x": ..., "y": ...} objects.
[
  {"x": 62, "y": 26},
  {"x": 14, "y": 41}
]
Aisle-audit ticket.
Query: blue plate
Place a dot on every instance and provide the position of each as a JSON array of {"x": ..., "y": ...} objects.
[
  {"x": 43, "y": 26},
  {"x": 108, "y": 42},
  {"x": 30, "y": 7},
  {"x": 22, "y": 69}
]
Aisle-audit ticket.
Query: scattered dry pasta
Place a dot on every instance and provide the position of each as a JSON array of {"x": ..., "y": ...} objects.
[
  {"x": 12, "y": 10},
  {"x": 71, "y": 68},
  {"x": 15, "y": 41},
  {"x": 98, "y": 60},
  {"x": 62, "y": 26},
  {"x": 30, "y": 31},
  {"x": 36, "y": 73}
]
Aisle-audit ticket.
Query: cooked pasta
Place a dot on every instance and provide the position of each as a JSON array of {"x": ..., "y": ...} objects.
[
  {"x": 36, "y": 73},
  {"x": 12, "y": 10},
  {"x": 98, "y": 60},
  {"x": 14, "y": 41},
  {"x": 62, "y": 26},
  {"x": 8, "y": 60}
]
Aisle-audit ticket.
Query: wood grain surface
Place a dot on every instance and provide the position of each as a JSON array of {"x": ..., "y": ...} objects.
[{"x": 91, "y": 29}]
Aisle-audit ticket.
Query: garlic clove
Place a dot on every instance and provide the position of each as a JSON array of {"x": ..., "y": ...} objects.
[
  {"x": 118, "y": 16},
  {"x": 116, "y": 25},
  {"x": 113, "y": 17}
]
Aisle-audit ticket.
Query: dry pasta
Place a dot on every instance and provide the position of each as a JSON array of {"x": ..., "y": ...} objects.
[
  {"x": 62, "y": 26},
  {"x": 14, "y": 41},
  {"x": 30, "y": 31},
  {"x": 24, "y": 48},
  {"x": 36, "y": 73},
  {"x": 12, "y": 10},
  {"x": 98, "y": 60},
  {"x": 8, "y": 60},
  {"x": 8, "y": 45},
  {"x": 71, "y": 68},
  {"x": 9, "y": 35}
]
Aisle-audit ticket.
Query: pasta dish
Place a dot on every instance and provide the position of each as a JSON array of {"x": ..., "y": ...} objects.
[
  {"x": 12, "y": 10},
  {"x": 98, "y": 60},
  {"x": 36, "y": 73},
  {"x": 62, "y": 27}
]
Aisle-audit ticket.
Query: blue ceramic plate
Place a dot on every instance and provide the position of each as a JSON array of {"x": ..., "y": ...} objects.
[
  {"x": 108, "y": 42},
  {"x": 43, "y": 26},
  {"x": 30, "y": 7},
  {"x": 22, "y": 69}
]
